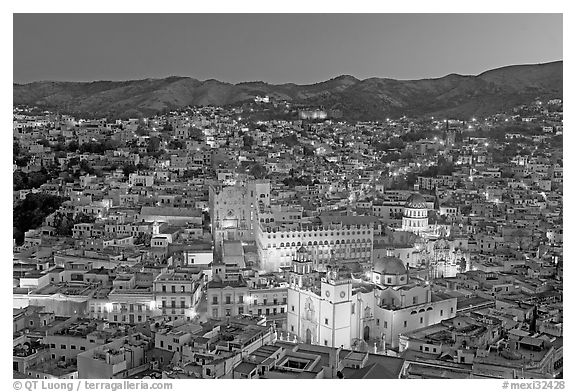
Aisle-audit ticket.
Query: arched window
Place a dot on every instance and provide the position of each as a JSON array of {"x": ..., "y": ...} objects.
[
  {"x": 281, "y": 244},
  {"x": 293, "y": 244},
  {"x": 325, "y": 242},
  {"x": 337, "y": 242}
]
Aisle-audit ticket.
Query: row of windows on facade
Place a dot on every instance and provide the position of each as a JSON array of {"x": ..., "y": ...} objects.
[
  {"x": 417, "y": 213},
  {"x": 167, "y": 311},
  {"x": 320, "y": 234},
  {"x": 260, "y": 312},
  {"x": 337, "y": 251},
  {"x": 393, "y": 209},
  {"x": 173, "y": 304},
  {"x": 368, "y": 314},
  {"x": 173, "y": 287},
  {"x": 119, "y": 308},
  {"x": 169, "y": 346},
  {"x": 385, "y": 325},
  {"x": 410, "y": 223},
  {"x": 270, "y": 220},
  {"x": 326, "y": 243},
  {"x": 139, "y": 318},
  {"x": 228, "y": 300},
  {"x": 64, "y": 347}
]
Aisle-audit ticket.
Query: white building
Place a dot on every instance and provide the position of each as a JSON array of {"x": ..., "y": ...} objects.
[
  {"x": 339, "y": 312},
  {"x": 234, "y": 210},
  {"x": 328, "y": 237},
  {"x": 415, "y": 217}
]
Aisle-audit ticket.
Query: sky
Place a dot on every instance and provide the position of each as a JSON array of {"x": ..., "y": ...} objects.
[{"x": 277, "y": 48}]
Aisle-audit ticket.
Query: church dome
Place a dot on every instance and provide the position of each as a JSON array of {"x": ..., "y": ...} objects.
[
  {"x": 389, "y": 266},
  {"x": 416, "y": 201}
]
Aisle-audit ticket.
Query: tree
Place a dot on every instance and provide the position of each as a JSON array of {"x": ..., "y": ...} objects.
[
  {"x": 31, "y": 212},
  {"x": 196, "y": 133},
  {"x": 129, "y": 168},
  {"x": 308, "y": 150},
  {"x": 175, "y": 144},
  {"x": 248, "y": 141},
  {"x": 23, "y": 160},
  {"x": 63, "y": 224},
  {"x": 297, "y": 181},
  {"x": 153, "y": 145},
  {"x": 142, "y": 130},
  {"x": 72, "y": 146},
  {"x": 19, "y": 180},
  {"x": 258, "y": 171},
  {"x": 142, "y": 166},
  {"x": 85, "y": 166},
  {"x": 44, "y": 142},
  {"x": 396, "y": 143},
  {"x": 142, "y": 239},
  {"x": 84, "y": 218},
  {"x": 290, "y": 140}
]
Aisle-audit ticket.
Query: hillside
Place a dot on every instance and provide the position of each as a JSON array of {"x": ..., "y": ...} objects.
[{"x": 369, "y": 99}]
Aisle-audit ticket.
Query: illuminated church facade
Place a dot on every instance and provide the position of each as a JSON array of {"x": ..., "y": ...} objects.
[{"x": 335, "y": 309}]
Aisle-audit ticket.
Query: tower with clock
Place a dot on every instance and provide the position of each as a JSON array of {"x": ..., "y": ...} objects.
[
  {"x": 335, "y": 309},
  {"x": 335, "y": 289}
]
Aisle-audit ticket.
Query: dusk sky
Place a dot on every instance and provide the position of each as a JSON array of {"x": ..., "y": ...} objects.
[{"x": 277, "y": 48}]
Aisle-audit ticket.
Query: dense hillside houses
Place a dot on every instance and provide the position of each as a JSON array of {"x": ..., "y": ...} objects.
[{"x": 273, "y": 239}]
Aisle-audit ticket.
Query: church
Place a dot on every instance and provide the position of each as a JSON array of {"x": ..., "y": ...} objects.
[
  {"x": 441, "y": 256},
  {"x": 415, "y": 216},
  {"x": 337, "y": 309}
]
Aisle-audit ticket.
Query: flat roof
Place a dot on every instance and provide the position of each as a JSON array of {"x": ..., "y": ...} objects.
[
  {"x": 171, "y": 211},
  {"x": 245, "y": 367}
]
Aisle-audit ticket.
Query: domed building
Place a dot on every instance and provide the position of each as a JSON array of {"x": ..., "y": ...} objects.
[
  {"x": 415, "y": 216},
  {"x": 338, "y": 312},
  {"x": 389, "y": 271}
]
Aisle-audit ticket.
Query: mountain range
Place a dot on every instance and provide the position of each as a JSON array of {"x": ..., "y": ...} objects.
[{"x": 458, "y": 96}]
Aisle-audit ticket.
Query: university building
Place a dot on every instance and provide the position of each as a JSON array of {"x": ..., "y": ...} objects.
[{"x": 327, "y": 237}]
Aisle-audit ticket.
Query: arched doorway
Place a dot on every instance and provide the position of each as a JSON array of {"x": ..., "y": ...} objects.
[
  {"x": 366, "y": 333},
  {"x": 308, "y": 336}
]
